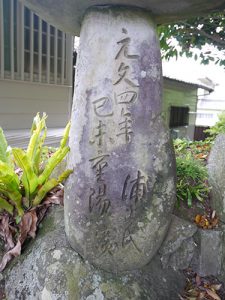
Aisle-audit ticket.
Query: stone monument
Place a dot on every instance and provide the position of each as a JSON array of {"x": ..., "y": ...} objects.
[{"x": 119, "y": 200}]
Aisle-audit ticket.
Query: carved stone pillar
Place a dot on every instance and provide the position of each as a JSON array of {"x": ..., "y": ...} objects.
[{"x": 119, "y": 199}]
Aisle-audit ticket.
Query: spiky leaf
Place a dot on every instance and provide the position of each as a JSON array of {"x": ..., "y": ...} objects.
[
  {"x": 29, "y": 178},
  {"x": 36, "y": 140},
  {"x": 38, "y": 152},
  {"x": 65, "y": 135},
  {"x": 54, "y": 160},
  {"x": 64, "y": 175},
  {"x": 48, "y": 186},
  {"x": 4, "y": 204},
  {"x": 4, "y": 150}
]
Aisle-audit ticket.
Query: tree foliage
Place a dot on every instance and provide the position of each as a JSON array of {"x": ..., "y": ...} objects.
[
  {"x": 185, "y": 36},
  {"x": 218, "y": 128}
]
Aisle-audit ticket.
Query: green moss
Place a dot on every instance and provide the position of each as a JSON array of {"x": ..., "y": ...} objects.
[
  {"x": 72, "y": 284},
  {"x": 80, "y": 281},
  {"x": 74, "y": 276},
  {"x": 116, "y": 289}
]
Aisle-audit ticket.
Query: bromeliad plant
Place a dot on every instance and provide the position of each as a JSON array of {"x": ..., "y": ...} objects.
[{"x": 25, "y": 182}]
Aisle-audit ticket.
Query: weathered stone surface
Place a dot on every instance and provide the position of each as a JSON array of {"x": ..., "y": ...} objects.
[
  {"x": 210, "y": 252},
  {"x": 50, "y": 270},
  {"x": 181, "y": 259},
  {"x": 222, "y": 274},
  {"x": 68, "y": 14},
  {"x": 178, "y": 247},
  {"x": 187, "y": 246},
  {"x": 216, "y": 171},
  {"x": 118, "y": 201},
  {"x": 2, "y": 248}
]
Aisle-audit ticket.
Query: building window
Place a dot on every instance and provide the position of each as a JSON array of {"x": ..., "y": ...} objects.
[
  {"x": 179, "y": 116},
  {"x": 8, "y": 31},
  {"x": 204, "y": 116},
  {"x": 54, "y": 33},
  {"x": 32, "y": 49}
]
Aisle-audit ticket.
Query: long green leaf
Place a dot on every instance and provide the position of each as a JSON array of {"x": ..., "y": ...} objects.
[
  {"x": 29, "y": 178},
  {"x": 7, "y": 183},
  {"x": 4, "y": 204},
  {"x": 36, "y": 130},
  {"x": 38, "y": 152},
  {"x": 56, "y": 158},
  {"x": 4, "y": 153},
  {"x": 14, "y": 196},
  {"x": 48, "y": 186},
  {"x": 6, "y": 170},
  {"x": 65, "y": 135},
  {"x": 11, "y": 193},
  {"x": 3, "y": 147},
  {"x": 9, "y": 186},
  {"x": 64, "y": 175},
  {"x": 36, "y": 120}
]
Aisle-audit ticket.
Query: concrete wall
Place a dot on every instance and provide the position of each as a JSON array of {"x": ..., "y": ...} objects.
[
  {"x": 20, "y": 101},
  {"x": 176, "y": 93}
]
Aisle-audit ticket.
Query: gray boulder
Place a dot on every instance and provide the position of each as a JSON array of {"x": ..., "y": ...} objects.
[
  {"x": 216, "y": 171},
  {"x": 50, "y": 270},
  {"x": 178, "y": 247},
  {"x": 209, "y": 253},
  {"x": 187, "y": 246}
]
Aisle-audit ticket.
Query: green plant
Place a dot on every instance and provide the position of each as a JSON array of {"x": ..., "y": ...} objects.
[
  {"x": 218, "y": 128},
  {"x": 197, "y": 149},
  {"x": 191, "y": 179},
  {"x": 21, "y": 191},
  {"x": 27, "y": 188},
  {"x": 181, "y": 145},
  {"x": 184, "y": 37}
]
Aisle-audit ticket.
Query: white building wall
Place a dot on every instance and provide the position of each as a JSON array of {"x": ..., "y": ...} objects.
[
  {"x": 20, "y": 101},
  {"x": 35, "y": 69},
  {"x": 32, "y": 49},
  {"x": 210, "y": 106}
]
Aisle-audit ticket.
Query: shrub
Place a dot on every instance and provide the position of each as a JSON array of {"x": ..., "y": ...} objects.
[
  {"x": 197, "y": 149},
  {"x": 191, "y": 179},
  {"x": 218, "y": 128}
]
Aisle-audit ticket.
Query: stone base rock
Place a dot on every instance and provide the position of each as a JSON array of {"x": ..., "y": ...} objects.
[
  {"x": 209, "y": 254},
  {"x": 187, "y": 246},
  {"x": 179, "y": 247},
  {"x": 50, "y": 270}
]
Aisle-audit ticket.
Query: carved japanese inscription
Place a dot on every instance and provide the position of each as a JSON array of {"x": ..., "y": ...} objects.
[{"x": 119, "y": 198}]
